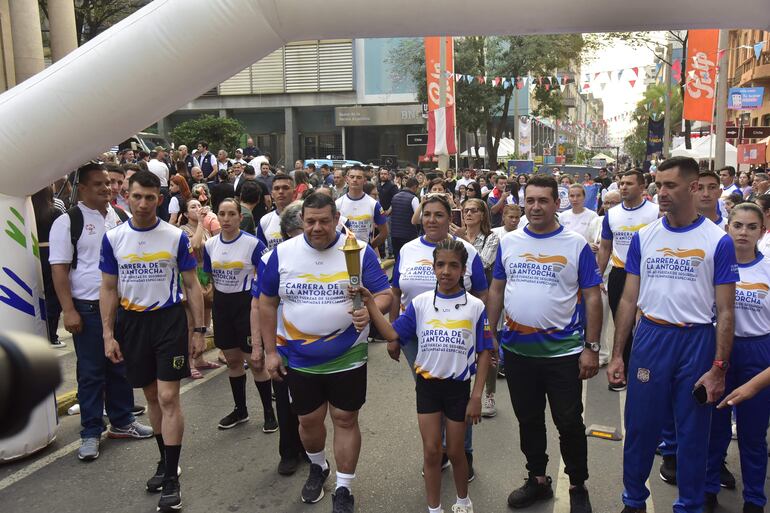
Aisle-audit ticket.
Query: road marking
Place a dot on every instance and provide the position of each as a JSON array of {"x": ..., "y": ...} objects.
[
  {"x": 72, "y": 447},
  {"x": 561, "y": 494},
  {"x": 650, "y": 502}
]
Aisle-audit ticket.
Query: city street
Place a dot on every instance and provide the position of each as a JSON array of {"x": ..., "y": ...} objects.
[{"x": 229, "y": 471}]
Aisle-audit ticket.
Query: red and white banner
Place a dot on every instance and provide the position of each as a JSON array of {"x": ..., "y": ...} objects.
[
  {"x": 441, "y": 132},
  {"x": 441, "y": 120},
  {"x": 701, "y": 68},
  {"x": 753, "y": 153}
]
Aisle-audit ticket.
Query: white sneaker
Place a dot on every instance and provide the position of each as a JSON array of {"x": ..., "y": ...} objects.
[
  {"x": 458, "y": 508},
  {"x": 488, "y": 408}
]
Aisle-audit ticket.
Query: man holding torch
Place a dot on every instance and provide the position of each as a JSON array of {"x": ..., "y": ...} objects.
[{"x": 326, "y": 351}]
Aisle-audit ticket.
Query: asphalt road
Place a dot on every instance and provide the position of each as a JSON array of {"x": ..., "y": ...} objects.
[{"x": 230, "y": 471}]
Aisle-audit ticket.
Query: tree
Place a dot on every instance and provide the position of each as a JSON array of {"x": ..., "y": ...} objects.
[
  {"x": 484, "y": 106},
  {"x": 652, "y": 105},
  {"x": 220, "y": 133},
  {"x": 92, "y": 17}
]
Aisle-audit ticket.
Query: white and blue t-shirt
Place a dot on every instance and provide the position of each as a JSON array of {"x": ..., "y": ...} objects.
[
  {"x": 232, "y": 264},
  {"x": 543, "y": 276},
  {"x": 362, "y": 215},
  {"x": 447, "y": 337},
  {"x": 621, "y": 223},
  {"x": 147, "y": 262},
  {"x": 315, "y": 329},
  {"x": 752, "y": 298},
  {"x": 413, "y": 270},
  {"x": 269, "y": 229},
  {"x": 679, "y": 268}
]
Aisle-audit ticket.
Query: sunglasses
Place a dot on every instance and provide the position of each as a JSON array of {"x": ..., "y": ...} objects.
[{"x": 471, "y": 211}]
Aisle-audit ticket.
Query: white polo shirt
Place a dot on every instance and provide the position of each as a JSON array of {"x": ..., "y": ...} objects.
[
  {"x": 752, "y": 298},
  {"x": 86, "y": 279},
  {"x": 621, "y": 223},
  {"x": 160, "y": 170}
]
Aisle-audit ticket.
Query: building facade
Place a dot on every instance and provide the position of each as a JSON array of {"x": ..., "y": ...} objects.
[{"x": 748, "y": 70}]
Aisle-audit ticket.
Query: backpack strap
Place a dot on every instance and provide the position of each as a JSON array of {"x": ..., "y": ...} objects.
[
  {"x": 76, "y": 229},
  {"x": 122, "y": 215}
]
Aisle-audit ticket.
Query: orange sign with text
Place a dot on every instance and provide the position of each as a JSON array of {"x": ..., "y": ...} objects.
[
  {"x": 700, "y": 81},
  {"x": 433, "y": 69}
]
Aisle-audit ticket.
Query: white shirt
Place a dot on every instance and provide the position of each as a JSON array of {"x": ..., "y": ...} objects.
[
  {"x": 86, "y": 279},
  {"x": 362, "y": 214},
  {"x": 173, "y": 205},
  {"x": 500, "y": 232},
  {"x": 752, "y": 300},
  {"x": 269, "y": 229},
  {"x": 160, "y": 170},
  {"x": 232, "y": 265},
  {"x": 621, "y": 223},
  {"x": 147, "y": 263},
  {"x": 448, "y": 338},
  {"x": 464, "y": 181},
  {"x": 679, "y": 269},
  {"x": 578, "y": 223}
]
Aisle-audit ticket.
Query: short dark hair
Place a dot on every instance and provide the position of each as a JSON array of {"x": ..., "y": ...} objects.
[
  {"x": 687, "y": 165},
  {"x": 635, "y": 172},
  {"x": 250, "y": 192},
  {"x": 114, "y": 168},
  {"x": 204, "y": 144},
  {"x": 319, "y": 200},
  {"x": 729, "y": 169},
  {"x": 324, "y": 166},
  {"x": 440, "y": 199},
  {"x": 283, "y": 176},
  {"x": 411, "y": 182},
  {"x": 310, "y": 166},
  {"x": 249, "y": 170},
  {"x": 546, "y": 181},
  {"x": 131, "y": 167},
  {"x": 356, "y": 167},
  {"x": 86, "y": 170},
  {"x": 145, "y": 179},
  {"x": 709, "y": 174}
]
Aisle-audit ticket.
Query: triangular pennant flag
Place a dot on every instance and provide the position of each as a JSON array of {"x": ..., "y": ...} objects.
[
  {"x": 620, "y": 73},
  {"x": 554, "y": 81},
  {"x": 588, "y": 77},
  {"x": 720, "y": 53},
  {"x": 636, "y": 71},
  {"x": 520, "y": 83},
  {"x": 562, "y": 87},
  {"x": 632, "y": 82},
  {"x": 496, "y": 81},
  {"x": 458, "y": 77},
  {"x": 469, "y": 78},
  {"x": 547, "y": 87},
  {"x": 758, "y": 49},
  {"x": 596, "y": 75},
  {"x": 603, "y": 85},
  {"x": 505, "y": 83}
]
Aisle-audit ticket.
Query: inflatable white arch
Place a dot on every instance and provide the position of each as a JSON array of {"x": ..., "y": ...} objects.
[{"x": 154, "y": 61}]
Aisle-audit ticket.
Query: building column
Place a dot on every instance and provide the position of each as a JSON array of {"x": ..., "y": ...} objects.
[
  {"x": 27, "y": 39},
  {"x": 61, "y": 21},
  {"x": 223, "y": 113},
  {"x": 163, "y": 128},
  {"x": 290, "y": 136},
  {"x": 7, "y": 73}
]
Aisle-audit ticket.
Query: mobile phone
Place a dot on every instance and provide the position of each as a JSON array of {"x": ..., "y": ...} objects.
[
  {"x": 457, "y": 217},
  {"x": 700, "y": 395},
  {"x": 508, "y": 187}
]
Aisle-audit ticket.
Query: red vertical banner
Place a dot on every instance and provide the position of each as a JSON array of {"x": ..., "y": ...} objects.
[
  {"x": 441, "y": 123},
  {"x": 700, "y": 82}
]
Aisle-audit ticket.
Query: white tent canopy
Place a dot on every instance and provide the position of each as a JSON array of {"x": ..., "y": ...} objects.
[
  {"x": 703, "y": 148},
  {"x": 605, "y": 158},
  {"x": 507, "y": 148}
]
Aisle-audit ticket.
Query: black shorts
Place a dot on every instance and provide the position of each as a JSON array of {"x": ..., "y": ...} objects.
[
  {"x": 447, "y": 396},
  {"x": 232, "y": 327},
  {"x": 344, "y": 390},
  {"x": 154, "y": 345}
]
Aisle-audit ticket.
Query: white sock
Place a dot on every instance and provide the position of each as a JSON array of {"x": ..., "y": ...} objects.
[
  {"x": 437, "y": 509},
  {"x": 464, "y": 502},
  {"x": 344, "y": 480},
  {"x": 319, "y": 458}
]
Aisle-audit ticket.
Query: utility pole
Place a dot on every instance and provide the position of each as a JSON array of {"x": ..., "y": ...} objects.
[
  {"x": 721, "y": 100},
  {"x": 516, "y": 134},
  {"x": 667, "y": 118},
  {"x": 443, "y": 160}
]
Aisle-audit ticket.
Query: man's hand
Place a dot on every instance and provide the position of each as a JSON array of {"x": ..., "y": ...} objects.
[
  {"x": 394, "y": 350},
  {"x": 589, "y": 364},
  {"x": 740, "y": 394},
  {"x": 112, "y": 350},
  {"x": 360, "y": 319},
  {"x": 473, "y": 411},
  {"x": 197, "y": 345},
  {"x": 257, "y": 358},
  {"x": 274, "y": 365},
  {"x": 616, "y": 371},
  {"x": 72, "y": 321},
  {"x": 714, "y": 381}
]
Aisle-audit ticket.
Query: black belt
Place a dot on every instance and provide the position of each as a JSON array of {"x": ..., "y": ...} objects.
[{"x": 92, "y": 302}]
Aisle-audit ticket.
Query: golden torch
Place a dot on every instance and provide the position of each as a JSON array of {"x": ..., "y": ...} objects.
[{"x": 352, "y": 249}]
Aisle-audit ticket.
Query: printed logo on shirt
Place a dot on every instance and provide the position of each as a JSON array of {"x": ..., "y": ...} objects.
[
  {"x": 133, "y": 258},
  {"x": 362, "y": 217},
  {"x": 297, "y": 335},
  {"x": 558, "y": 261},
  {"x": 677, "y": 264},
  {"x": 624, "y": 234},
  {"x": 145, "y": 268},
  {"x": 90, "y": 229},
  {"x": 316, "y": 289},
  {"x": 324, "y": 278},
  {"x": 451, "y": 324},
  {"x": 537, "y": 269},
  {"x": 749, "y": 296}
]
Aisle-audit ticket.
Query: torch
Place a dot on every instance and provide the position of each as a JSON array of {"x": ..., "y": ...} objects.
[{"x": 352, "y": 249}]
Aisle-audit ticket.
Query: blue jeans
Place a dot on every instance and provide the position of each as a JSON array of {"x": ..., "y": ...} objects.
[
  {"x": 410, "y": 353},
  {"x": 99, "y": 380}
]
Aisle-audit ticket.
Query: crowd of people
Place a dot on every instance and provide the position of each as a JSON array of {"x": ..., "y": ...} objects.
[{"x": 538, "y": 279}]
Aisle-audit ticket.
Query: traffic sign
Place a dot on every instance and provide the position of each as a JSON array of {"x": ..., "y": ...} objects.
[
  {"x": 416, "y": 139},
  {"x": 749, "y": 132}
]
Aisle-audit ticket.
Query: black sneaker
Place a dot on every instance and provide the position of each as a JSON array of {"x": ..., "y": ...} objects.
[
  {"x": 170, "y": 496},
  {"x": 155, "y": 483},
  {"x": 710, "y": 503},
  {"x": 629, "y": 509},
  {"x": 313, "y": 491},
  {"x": 471, "y": 472},
  {"x": 616, "y": 388},
  {"x": 752, "y": 508},
  {"x": 530, "y": 493},
  {"x": 271, "y": 425},
  {"x": 138, "y": 411},
  {"x": 233, "y": 419},
  {"x": 726, "y": 478},
  {"x": 288, "y": 465},
  {"x": 668, "y": 469},
  {"x": 578, "y": 500},
  {"x": 342, "y": 501}
]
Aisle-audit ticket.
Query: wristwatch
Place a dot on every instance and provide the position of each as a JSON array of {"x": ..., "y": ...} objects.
[
  {"x": 721, "y": 364},
  {"x": 202, "y": 329},
  {"x": 593, "y": 346}
]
